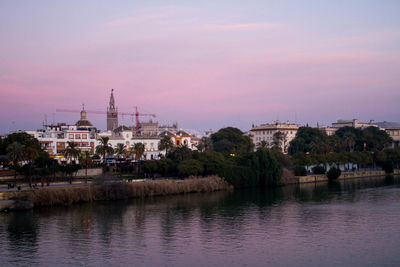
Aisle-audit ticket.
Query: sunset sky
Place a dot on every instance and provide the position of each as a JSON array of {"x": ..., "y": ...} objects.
[{"x": 205, "y": 64}]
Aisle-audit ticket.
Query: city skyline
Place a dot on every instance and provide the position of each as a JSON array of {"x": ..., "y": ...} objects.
[{"x": 205, "y": 65}]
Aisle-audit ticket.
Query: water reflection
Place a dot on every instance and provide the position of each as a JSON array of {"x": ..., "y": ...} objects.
[{"x": 292, "y": 225}]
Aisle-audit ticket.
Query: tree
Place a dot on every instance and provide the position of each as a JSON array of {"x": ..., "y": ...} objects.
[
  {"x": 150, "y": 167},
  {"x": 279, "y": 141},
  {"x": 349, "y": 141},
  {"x": 351, "y": 138},
  {"x": 333, "y": 173},
  {"x": 262, "y": 144},
  {"x": 205, "y": 144},
  {"x": 138, "y": 150},
  {"x": 104, "y": 149},
  {"x": 190, "y": 167},
  {"x": 31, "y": 150},
  {"x": 121, "y": 151},
  {"x": 15, "y": 153},
  {"x": 180, "y": 153},
  {"x": 300, "y": 171},
  {"x": 212, "y": 162},
  {"x": 21, "y": 138},
  {"x": 375, "y": 139},
  {"x": 301, "y": 159},
  {"x": 319, "y": 169},
  {"x": 71, "y": 152},
  {"x": 86, "y": 160},
  {"x": 230, "y": 141},
  {"x": 31, "y": 154},
  {"x": 166, "y": 167},
  {"x": 305, "y": 140},
  {"x": 166, "y": 143},
  {"x": 269, "y": 168}
]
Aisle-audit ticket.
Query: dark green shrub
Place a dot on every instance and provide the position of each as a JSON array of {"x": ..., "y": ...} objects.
[
  {"x": 190, "y": 167},
  {"x": 260, "y": 168},
  {"x": 387, "y": 166},
  {"x": 300, "y": 171},
  {"x": 319, "y": 169},
  {"x": 150, "y": 167},
  {"x": 333, "y": 173}
]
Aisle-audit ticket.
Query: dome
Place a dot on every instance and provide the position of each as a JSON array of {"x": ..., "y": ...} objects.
[{"x": 83, "y": 122}]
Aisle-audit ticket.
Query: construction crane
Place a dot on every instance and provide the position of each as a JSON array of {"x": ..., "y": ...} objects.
[{"x": 136, "y": 114}]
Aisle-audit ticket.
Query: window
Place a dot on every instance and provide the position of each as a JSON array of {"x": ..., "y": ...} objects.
[
  {"x": 84, "y": 136},
  {"x": 77, "y": 136},
  {"x": 71, "y": 136}
]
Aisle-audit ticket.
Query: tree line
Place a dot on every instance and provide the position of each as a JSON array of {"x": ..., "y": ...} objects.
[
  {"x": 368, "y": 147},
  {"x": 227, "y": 153}
]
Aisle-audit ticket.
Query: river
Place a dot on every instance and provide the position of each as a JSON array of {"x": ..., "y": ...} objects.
[{"x": 352, "y": 223}]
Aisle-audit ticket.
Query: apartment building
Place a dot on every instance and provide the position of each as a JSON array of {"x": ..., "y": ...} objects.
[{"x": 273, "y": 133}]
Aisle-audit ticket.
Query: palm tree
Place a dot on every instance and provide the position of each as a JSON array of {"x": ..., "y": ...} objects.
[
  {"x": 31, "y": 151},
  {"x": 104, "y": 148},
  {"x": 71, "y": 152},
  {"x": 138, "y": 149},
  {"x": 280, "y": 139},
  {"x": 262, "y": 144},
  {"x": 349, "y": 141},
  {"x": 165, "y": 143},
  {"x": 121, "y": 151},
  {"x": 31, "y": 154},
  {"x": 86, "y": 160},
  {"x": 15, "y": 153}
]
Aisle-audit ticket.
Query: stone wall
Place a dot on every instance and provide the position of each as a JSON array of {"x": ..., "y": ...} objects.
[{"x": 344, "y": 176}]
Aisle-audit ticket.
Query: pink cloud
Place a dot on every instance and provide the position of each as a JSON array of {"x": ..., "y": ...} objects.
[{"x": 240, "y": 27}]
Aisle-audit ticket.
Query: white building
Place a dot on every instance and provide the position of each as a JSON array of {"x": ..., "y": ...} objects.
[
  {"x": 392, "y": 129},
  {"x": 125, "y": 135},
  {"x": 181, "y": 138},
  {"x": 54, "y": 138},
  {"x": 352, "y": 123},
  {"x": 267, "y": 133}
]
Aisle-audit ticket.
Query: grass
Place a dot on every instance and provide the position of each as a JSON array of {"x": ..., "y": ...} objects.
[{"x": 61, "y": 196}]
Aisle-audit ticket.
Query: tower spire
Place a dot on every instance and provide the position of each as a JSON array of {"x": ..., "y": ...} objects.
[
  {"x": 112, "y": 101},
  {"x": 112, "y": 113}
]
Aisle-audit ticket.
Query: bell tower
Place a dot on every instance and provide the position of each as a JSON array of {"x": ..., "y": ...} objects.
[{"x": 112, "y": 114}]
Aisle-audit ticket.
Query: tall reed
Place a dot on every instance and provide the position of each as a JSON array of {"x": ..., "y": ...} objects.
[{"x": 60, "y": 196}]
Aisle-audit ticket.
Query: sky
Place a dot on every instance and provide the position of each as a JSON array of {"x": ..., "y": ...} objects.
[{"x": 205, "y": 64}]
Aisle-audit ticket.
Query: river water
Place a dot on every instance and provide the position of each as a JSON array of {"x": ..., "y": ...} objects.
[{"x": 352, "y": 223}]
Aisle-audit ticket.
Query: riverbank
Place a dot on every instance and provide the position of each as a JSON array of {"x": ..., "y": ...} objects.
[
  {"x": 343, "y": 176},
  {"x": 115, "y": 190}
]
